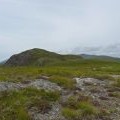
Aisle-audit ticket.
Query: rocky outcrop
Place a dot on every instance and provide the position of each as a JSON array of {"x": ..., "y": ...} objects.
[
  {"x": 39, "y": 84},
  {"x": 101, "y": 92}
]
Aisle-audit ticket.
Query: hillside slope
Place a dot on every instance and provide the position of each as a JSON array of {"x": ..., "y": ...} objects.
[{"x": 38, "y": 57}]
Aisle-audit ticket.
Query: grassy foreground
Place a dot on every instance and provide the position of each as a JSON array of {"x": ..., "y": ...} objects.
[
  {"x": 14, "y": 104},
  {"x": 82, "y": 68}
]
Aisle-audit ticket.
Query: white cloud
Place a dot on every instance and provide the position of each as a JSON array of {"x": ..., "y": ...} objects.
[{"x": 54, "y": 25}]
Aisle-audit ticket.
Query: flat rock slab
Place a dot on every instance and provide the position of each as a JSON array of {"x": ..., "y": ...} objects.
[
  {"x": 39, "y": 84},
  {"x": 45, "y": 84},
  {"x": 89, "y": 81},
  {"x": 6, "y": 86},
  {"x": 115, "y": 76}
]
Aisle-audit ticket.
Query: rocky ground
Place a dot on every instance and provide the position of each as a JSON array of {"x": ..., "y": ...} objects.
[
  {"x": 102, "y": 92},
  {"x": 103, "y": 95}
]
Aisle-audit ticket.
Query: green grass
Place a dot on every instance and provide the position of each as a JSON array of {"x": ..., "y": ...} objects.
[
  {"x": 78, "y": 107},
  {"x": 64, "y": 72},
  {"x": 117, "y": 83},
  {"x": 87, "y": 109},
  {"x": 15, "y": 104},
  {"x": 92, "y": 68},
  {"x": 39, "y": 57},
  {"x": 63, "y": 81},
  {"x": 71, "y": 114},
  {"x": 114, "y": 94},
  {"x": 84, "y": 110}
]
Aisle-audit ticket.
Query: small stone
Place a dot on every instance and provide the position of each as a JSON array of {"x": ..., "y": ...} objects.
[
  {"x": 103, "y": 98},
  {"x": 43, "y": 77}
]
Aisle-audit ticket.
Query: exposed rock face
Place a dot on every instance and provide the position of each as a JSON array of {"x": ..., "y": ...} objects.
[
  {"x": 21, "y": 59},
  {"x": 31, "y": 57}
]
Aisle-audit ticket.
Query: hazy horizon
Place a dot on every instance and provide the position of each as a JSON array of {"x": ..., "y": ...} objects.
[{"x": 66, "y": 26}]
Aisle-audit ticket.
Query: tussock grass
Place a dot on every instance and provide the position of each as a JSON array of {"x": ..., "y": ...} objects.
[
  {"x": 71, "y": 114},
  {"x": 117, "y": 83},
  {"x": 15, "y": 104},
  {"x": 63, "y": 81},
  {"x": 78, "y": 68},
  {"x": 87, "y": 109},
  {"x": 78, "y": 107}
]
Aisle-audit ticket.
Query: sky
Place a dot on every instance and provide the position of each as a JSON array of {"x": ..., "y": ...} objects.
[{"x": 58, "y": 25}]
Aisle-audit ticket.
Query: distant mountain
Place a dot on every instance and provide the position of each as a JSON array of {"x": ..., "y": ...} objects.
[
  {"x": 38, "y": 57},
  {"x": 111, "y": 50},
  {"x": 100, "y": 57}
]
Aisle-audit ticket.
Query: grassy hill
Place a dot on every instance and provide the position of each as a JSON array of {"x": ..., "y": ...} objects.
[
  {"x": 33, "y": 65},
  {"x": 38, "y": 57},
  {"x": 35, "y": 62}
]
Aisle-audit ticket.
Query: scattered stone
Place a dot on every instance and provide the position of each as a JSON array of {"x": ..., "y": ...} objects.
[
  {"x": 25, "y": 82},
  {"x": 88, "y": 81},
  {"x": 54, "y": 114},
  {"x": 99, "y": 92},
  {"x": 5, "y": 86},
  {"x": 115, "y": 76},
  {"x": 103, "y": 98},
  {"x": 96, "y": 103},
  {"x": 43, "y": 77}
]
